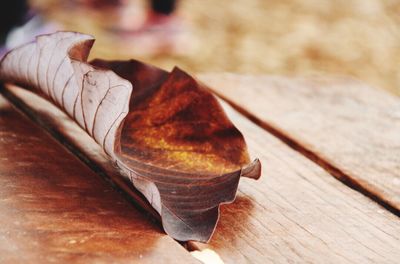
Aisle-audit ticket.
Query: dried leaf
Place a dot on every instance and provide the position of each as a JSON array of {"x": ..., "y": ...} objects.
[{"x": 168, "y": 134}]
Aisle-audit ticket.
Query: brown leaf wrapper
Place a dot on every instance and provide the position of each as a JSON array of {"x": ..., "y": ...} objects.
[{"x": 163, "y": 130}]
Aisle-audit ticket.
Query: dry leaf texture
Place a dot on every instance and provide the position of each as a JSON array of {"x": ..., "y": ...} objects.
[{"x": 163, "y": 130}]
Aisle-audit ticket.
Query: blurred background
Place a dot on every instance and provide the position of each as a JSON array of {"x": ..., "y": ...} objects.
[{"x": 360, "y": 38}]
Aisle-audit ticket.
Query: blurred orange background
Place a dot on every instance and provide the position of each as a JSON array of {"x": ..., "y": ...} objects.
[{"x": 360, "y": 38}]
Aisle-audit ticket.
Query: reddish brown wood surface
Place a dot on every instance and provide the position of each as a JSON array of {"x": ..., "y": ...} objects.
[
  {"x": 296, "y": 213},
  {"x": 299, "y": 213},
  {"x": 347, "y": 127},
  {"x": 53, "y": 208}
]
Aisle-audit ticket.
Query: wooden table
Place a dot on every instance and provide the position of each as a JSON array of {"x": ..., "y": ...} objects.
[{"x": 329, "y": 193}]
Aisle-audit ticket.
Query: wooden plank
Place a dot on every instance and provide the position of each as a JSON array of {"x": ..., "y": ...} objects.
[
  {"x": 65, "y": 130},
  {"x": 53, "y": 208},
  {"x": 295, "y": 213},
  {"x": 299, "y": 213},
  {"x": 347, "y": 127}
]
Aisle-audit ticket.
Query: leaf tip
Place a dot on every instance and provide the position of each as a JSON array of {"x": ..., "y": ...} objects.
[{"x": 252, "y": 170}]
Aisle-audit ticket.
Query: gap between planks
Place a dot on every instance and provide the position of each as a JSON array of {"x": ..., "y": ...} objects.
[
  {"x": 125, "y": 189},
  {"x": 123, "y": 186},
  {"x": 37, "y": 225},
  {"x": 139, "y": 200},
  {"x": 130, "y": 194},
  {"x": 330, "y": 230},
  {"x": 296, "y": 145}
]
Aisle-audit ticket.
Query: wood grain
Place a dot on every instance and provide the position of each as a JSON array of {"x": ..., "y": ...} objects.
[
  {"x": 53, "y": 208},
  {"x": 296, "y": 213},
  {"x": 347, "y": 127}
]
